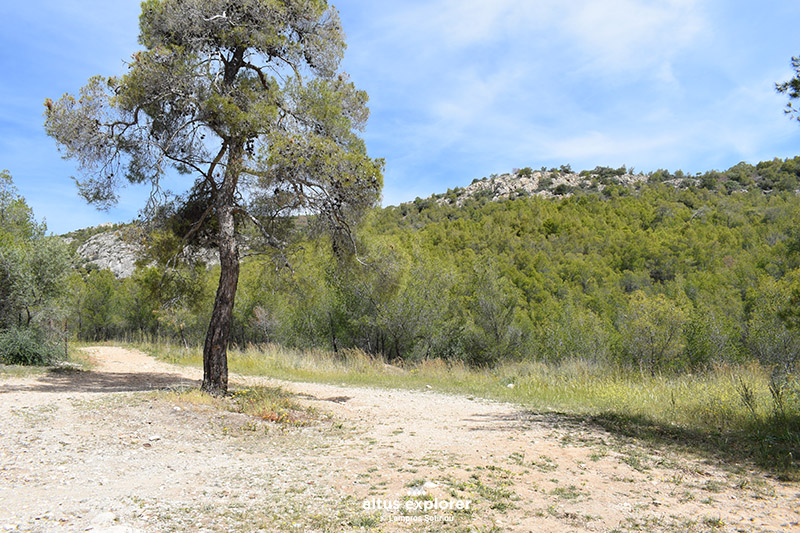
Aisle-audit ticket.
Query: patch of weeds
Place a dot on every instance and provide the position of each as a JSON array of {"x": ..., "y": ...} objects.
[
  {"x": 573, "y": 518},
  {"x": 597, "y": 455},
  {"x": 20, "y": 371},
  {"x": 366, "y": 521},
  {"x": 495, "y": 472},
  {"x": 636, "y": 460},
  {"x": 77, "y": 363},
  {"x": 741, "y": 483},
  {"x": 648, "y": 523},
  {"x": 569, "y": 493},
  {"x": 489, "y": 529},
  {"x": 761, "y": 489},
  {"x": 713, "y": 486},
  {"x": 251, "y": 426},
  {"x": 676, "y": 478},
  {"x": 35, "y": 414},
  {"x": 517, "y": 458},
  {"x": 272, "y": 404},
  {"x": 498, "y": 495},
  {"x": 544, "y": 464},
  {"x": 431, "y": 460}
]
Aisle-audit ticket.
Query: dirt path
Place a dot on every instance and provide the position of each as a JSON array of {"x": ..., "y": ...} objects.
[{"x": 100, "y": 451}]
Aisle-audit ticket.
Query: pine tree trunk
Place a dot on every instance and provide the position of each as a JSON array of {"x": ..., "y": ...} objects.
[{"x": 215, "y": 349}]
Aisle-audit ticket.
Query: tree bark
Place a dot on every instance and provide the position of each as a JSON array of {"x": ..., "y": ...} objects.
[{"x": 215, "y": 348}]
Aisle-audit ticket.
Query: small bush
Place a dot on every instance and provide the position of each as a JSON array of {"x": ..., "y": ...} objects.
[
  {"x": 26, "y": 346},
  {"x": 562, "y": 189}
]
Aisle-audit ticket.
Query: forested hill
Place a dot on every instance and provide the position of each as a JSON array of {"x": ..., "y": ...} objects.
[
  {"x": 660, "y": 271},
  {"x": 114, "y": 247}
]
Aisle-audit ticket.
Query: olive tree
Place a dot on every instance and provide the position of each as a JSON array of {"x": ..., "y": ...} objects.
[
  {"x": 33, "y": 269},
  {"x": 32, "y": 265},
  {"x": 244, "y": 97}
]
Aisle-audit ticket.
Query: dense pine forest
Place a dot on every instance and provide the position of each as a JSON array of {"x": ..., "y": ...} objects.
[{"x": 671, "y": 274}]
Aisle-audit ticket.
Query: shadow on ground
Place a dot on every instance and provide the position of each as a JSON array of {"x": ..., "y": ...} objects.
[
  {"x": 769, "y": 445},
  {"x": 60, "y": 381}
]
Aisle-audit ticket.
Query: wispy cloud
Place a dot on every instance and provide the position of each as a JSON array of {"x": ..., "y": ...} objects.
[{"x": 618, "y": 37}]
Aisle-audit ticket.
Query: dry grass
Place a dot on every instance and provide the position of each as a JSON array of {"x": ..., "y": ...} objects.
[
  {"x": 728, "y": 411},
  {"x": 270, "y": 404}
]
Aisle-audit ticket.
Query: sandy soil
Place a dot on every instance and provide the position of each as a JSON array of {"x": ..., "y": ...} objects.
[{"x": 101, "y": 451}]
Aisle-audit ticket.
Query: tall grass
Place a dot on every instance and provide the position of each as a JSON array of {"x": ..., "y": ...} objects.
[{"x": 738, "y": 412}]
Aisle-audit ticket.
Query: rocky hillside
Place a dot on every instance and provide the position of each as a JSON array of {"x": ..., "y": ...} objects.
[
  {"x": 111, "y": 251},
  {"x": 553, "y": 183},
  {"x": 118, "y": 248},
  {"x": 768, "y": 176}
]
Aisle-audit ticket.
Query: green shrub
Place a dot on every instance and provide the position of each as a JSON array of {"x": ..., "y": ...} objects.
[
  {"x": 562, "y": 189},
  {"x": 26, "y": 346}
]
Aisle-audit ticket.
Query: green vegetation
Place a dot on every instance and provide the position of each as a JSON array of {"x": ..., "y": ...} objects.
[
  {"x": 656, "y": 278},
  {"x": 27, "y": 346},
  {"x": 791, "y": 88},
  {"x": 33, "y": 268}
]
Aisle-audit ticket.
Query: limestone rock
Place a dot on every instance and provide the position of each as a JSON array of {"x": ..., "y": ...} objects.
[{"x": 109, "y": 250}]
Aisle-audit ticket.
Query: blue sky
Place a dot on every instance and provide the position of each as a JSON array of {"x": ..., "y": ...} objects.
[{"x": 461, "y": 89}]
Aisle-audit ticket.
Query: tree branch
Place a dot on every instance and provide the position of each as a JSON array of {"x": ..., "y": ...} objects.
[
  {"x": 258, "y": 71},
  {"x": 271, "y": 240}
]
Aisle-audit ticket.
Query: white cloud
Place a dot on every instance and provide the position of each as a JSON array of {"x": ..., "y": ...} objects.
[
  {"x": 616, "y": 35},
  {"x": 630, "y": 35},
  {"x": 609, "y": 146},
  {"x": 464, "y": 23},
  {"x": 471, "y": 97}
]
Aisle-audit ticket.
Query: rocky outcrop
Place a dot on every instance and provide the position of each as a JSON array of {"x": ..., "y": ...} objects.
[
  {"x": 110, "y": 250},
  {"x": 118, "y": 251},
  {"x": 547, "y": 184}
]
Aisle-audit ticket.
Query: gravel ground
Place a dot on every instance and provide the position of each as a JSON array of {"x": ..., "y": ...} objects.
[{"x": 108, "y": 450}]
